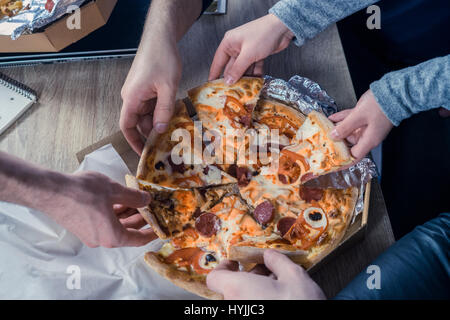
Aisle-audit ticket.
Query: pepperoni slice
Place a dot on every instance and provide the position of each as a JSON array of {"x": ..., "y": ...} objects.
[
  {"x": 232, "y": 170},
  {"x": 309, "y": 194},
  {"x": 284, "y": 224},
  {"x": 283, "y": 179},
  {"x": 243, "y": 176},
  {"x": 264, "y": 212},
  {"x": 207, "y": 224},
  {"x": 246, "y": 120}
]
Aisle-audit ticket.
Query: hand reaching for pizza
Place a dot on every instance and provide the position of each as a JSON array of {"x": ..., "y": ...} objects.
[
  {"x": 244, "y": 48},
  {"x": 149, "y": 91},
  {"x": 364, "y": 126},
  {"x": 283, "y": 280},
  {"x": 98, "y": 210}
]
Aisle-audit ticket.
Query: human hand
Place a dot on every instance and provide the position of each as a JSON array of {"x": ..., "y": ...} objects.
[
  {"x": 245, "y": 47},
  {"x": 150, "y": 90},
  {"x": 287, "y": 280},
  {"x": 97, "y": 210},
  {"x": 365, "y": 126}
]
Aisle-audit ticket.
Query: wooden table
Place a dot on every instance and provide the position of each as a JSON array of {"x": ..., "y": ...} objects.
[{"x": 80, "y": 104}]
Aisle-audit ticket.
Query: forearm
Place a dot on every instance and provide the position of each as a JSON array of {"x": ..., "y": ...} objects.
[
  {"x": 26, "y": 184},
  {"x": 169, "y": 20},
  {"x": 405, "y": 92},
  {"x": 306, "y": 18}
]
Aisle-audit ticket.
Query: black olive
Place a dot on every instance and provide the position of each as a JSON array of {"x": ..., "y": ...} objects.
[
  {"x": 315, "y": 216},
  {"x": 210, "y": 258},
  {"x": 159, "y": 165},
  {"x": 255, "y": 173}
]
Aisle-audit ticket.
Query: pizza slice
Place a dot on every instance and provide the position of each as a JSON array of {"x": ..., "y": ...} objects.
[
  {"x": 178, "y": 163},
  {"x": 314, "y": 152},
  {"x": 226, "y": 112},
  {"x": 172, "y": 209},
  {"x": 203, "y": 242},
  {"x": 305, "y": 229}
]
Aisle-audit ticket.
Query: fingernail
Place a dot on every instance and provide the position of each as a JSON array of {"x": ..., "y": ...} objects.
[
  {"x": 334, "y": 134},
  {"x": 229, "y": 80},
  {"x": 161, "y": 127}
]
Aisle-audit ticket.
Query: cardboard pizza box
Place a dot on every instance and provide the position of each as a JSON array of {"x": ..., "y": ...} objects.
[
  {"x": 355, "y": 233},
  {"x": 57, "y": 35}
]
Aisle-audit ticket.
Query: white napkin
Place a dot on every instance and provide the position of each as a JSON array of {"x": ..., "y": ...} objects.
[{"x": 41, "y": 260}]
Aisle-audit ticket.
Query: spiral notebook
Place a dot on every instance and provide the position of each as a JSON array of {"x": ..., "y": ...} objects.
[{"x": 15, "y": 99}]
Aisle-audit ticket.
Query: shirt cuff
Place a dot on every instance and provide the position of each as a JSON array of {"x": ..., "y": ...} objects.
[
  {"x": 390, "y": 104},
  {"x": 290, "y": 19}
]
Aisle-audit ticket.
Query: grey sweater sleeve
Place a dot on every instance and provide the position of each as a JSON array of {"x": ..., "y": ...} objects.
[
  {"x": 306, "y": 18},
  {"x": 408, "y": 91}
]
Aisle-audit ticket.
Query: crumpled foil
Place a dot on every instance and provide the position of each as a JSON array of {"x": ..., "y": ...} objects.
[
  {"x": 35, "y": 16},
  {"x": 305, "y": 95}
]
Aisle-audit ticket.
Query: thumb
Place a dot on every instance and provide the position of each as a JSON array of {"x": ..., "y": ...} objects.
[
  {"x": 281, "y": 265},
  {"x": 129, "y": 197},
  {"x": 347, "y": 126},
  {"x": 237, "y": 70},
  {"x": 165, "y": 105}
]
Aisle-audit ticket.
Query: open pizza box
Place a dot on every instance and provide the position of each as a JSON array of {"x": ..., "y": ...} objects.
[
  {"x": 57, "y": 35},
  {"x": 355, "y": 232}
]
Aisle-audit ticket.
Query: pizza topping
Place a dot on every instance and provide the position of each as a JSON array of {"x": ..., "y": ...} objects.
[
  {"x": 243, "y": 175},
  {"x": 206, "y": 170},
  {"x": 190, "y": 258},
  {"x": 309, "y": 194},
  {"x": 232, "y": 170},
  {"x": 264, "y": 212},
  {"x": 180, "y": 168},
  {"x": 315, "y": 218},
  {"x": 288, "y": 170},
  {"x": 296, "y": 157},
  {"x": 207, "y": 224},
  {"x": 285, "y": 224},
  {"x": 197, "y": 213},
  {"x": 159, "y": 165},
  {"x": 210, "y": 258},
  {"x": 237, "y": 112}
]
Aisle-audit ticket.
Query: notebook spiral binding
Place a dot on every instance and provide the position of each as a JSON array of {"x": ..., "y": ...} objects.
[{"x": 18, "y": 87}]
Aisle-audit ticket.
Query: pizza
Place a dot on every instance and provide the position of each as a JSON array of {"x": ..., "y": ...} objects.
[
  {"x": 10, "y": 8},
  {"x": 214, "y": 210},
  {"x": 160, "y": 167}
]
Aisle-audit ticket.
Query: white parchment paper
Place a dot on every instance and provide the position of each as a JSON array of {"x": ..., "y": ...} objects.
[{"x": 39, "y": 259}]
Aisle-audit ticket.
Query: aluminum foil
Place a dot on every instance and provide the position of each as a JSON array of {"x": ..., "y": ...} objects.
[
  {"x": 305, "y": 95},
  {"x": 34, "y": 16}
]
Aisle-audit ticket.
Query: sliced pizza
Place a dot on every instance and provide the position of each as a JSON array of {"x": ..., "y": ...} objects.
[
  {"x": 226, "y": 112},
  {"x": 178, "y": 163},
  {"x": 171, "y": 210},
  {"x": 306, "y": 229},
  {"x": 237, "y": 206},
  {"x": 315, "y": 152}
]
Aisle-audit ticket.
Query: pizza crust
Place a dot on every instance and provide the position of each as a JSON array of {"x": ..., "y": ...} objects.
[
  {"x": 196, "y": 285},
  {"x": 148, "y": 216},
  {"x": 342, "y": 151},
  {"x": 312, "y": 260}
]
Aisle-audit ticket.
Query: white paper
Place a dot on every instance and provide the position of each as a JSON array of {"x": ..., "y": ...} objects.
[{"x": 40, "y": 260}]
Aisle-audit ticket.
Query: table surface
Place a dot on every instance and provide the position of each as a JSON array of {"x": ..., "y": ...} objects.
[{"x": 79, "y": 104}]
